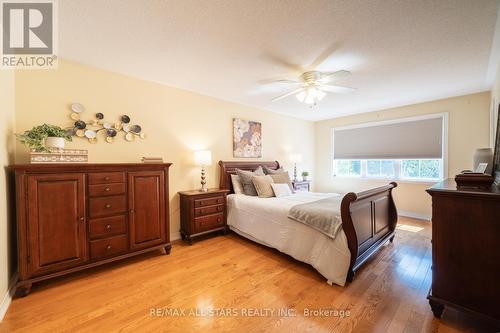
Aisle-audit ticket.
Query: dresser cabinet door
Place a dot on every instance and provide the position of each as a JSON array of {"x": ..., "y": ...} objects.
[
  {"x": 147, "y": 210},
  {"x": 56, "y": 229}
]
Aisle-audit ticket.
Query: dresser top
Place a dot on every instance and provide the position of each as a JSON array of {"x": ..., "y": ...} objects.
[
  {"x": 450, "y": 186},
  {"x": 198, "y": 192},
  {"x": 87, "y": 167}
]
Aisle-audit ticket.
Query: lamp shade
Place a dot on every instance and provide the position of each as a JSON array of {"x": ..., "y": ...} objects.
[
  {"x": 296, "y": 158},
  {"x": 203, "y": 157}
]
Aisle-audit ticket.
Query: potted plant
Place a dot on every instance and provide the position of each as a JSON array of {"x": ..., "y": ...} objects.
[
  {"x": 305, "y": 176},
  {"x": 41, "y": 138}
]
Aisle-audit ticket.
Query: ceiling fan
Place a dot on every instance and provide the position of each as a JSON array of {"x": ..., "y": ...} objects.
[{"x": 312, "y": 86}]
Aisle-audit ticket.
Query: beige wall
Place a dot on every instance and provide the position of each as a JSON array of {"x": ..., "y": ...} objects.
[
  {"x": 176, "y": 122},
  {"x": 468, "y": 129},
  {"x": 6, "y": 157}
]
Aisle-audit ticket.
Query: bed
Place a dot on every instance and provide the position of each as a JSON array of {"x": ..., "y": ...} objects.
[{"x": 368, "y": 221}]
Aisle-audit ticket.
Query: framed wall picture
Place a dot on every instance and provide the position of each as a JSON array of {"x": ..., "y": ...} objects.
[
  {"x": 496, "y": 158},
  {"x": 247, "y": 138}
]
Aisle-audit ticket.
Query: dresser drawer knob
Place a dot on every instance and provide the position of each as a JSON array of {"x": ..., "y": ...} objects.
[
  {"x": 106, "y": 178},
  {"x": 108, "y": 247},
  {"x": 108, "y": 226},
  {"x": 219, "y": 208},
  {"x": 218, "y": 219},
  {"x": 108, "y": 206},
  {"x": 107, "y": 189}
]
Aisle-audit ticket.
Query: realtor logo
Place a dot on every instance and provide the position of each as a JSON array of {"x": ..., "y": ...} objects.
[{"x": 28, "y": 34}]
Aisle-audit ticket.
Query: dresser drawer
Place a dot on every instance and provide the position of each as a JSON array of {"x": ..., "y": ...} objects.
[
  {"x": 106, "y": 206},
  {"x": 106, "y": 189},
  {"x": 208, "y": 210},
  {"x": 106, "y": 177},
  {"x": 209, "y": 222},
  {"x": 108, "y": 246},
  {"x": 209, "y": 201},
  {"x": 107, "y": 226}
]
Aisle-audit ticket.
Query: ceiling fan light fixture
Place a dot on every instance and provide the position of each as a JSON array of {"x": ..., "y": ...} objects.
[{"x": 310, "y": 95}]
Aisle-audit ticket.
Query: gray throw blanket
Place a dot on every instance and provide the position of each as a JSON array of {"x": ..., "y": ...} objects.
[{"x": 322, "y": 215}]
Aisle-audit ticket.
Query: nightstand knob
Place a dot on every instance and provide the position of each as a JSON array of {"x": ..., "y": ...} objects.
[
  {"x": 219, "y": 219},
  {"x": 108, "y": 247},
  {"x": 219, "y": 208},
  {"x": 108, "y": 226},
  {"x": 108, "y": 206},
  {"x": 107, "y": 189},
  {"x": 106, "y": 178}
]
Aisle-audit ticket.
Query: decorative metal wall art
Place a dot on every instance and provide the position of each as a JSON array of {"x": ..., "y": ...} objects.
[{"x": 90, "y": 129}]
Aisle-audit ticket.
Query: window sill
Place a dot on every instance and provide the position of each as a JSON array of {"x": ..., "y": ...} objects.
[{"x": 400, "y": 180}]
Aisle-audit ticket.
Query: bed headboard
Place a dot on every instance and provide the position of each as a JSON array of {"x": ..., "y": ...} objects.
[{"x": 228, "y": 168}]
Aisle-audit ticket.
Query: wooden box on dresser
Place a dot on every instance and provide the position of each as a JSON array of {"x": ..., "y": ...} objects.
[
  {"x": 75, "y": 216},
  {"x": 465, "y": 249},
  {"x": 202, "y": 212}
]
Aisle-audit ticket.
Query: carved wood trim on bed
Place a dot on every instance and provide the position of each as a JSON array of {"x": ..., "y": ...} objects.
[{"x": 369, "y": 218}]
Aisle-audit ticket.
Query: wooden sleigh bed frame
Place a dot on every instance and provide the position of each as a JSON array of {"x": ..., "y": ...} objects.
[{"x": 369, "y": 218}]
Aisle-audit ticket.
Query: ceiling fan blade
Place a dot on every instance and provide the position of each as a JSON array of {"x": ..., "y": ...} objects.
[
  {"x": 324, "y": 55},
  {"x": 331, "y": 76},
  {"x": 336, "y": 89},
  {"x": 287, "y": 81},
  {"x": 286, "y": 95}
]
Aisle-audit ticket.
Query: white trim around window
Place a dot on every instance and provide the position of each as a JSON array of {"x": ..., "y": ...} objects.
[{"x": 444, "y": 169}]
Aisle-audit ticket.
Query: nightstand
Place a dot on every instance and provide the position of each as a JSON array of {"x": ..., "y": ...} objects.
[
  {"x": 202, "y": 212},
  {"x": 301, "y": 185}
]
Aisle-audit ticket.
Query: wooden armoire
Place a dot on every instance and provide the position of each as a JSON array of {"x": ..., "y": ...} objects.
[{"x": 72, "y": 217}]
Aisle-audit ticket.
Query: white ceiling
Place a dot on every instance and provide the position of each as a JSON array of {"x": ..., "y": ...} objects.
[{"x": 399, "y": 52}]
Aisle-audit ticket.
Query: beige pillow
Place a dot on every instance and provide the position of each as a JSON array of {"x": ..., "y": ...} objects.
[
  {"x": 282, "y": 178},
  {"x": 263, "y": 186},
  {"x": 237, "y": 186}
]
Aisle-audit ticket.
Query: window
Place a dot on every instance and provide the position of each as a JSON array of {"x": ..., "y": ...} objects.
[
  {"x": 414, "y": 169},
  {"x": 421, "y": 169},
  {"x": 348, "y": 168},
  {"x": 380, "y": 168},
  {"x": 412, "y": 149}
]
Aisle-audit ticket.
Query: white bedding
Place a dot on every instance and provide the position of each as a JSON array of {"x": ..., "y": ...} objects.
[{"x": 264, "y": 220}]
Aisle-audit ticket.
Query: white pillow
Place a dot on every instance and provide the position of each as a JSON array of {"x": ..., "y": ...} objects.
[
  {"x": 237, "y": 185},
  {"x": 281, "y": 190}
]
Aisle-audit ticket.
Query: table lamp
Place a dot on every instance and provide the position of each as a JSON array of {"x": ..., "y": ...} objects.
[{"x": 203, "y": 158}]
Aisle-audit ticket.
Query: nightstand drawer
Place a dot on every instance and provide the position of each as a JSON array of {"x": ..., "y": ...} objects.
[
  {"x": 106, "y": 189},
  {"x": 107, "y": 227},
  {"x": 208, "y": 210},
  {"x": 209, "y": 201},
  {"x": 106, "y": 206},
  {"x": 209, "y": 222},
  {"x": 106, "y": 177},
  {"x": 108, "y": 246}
]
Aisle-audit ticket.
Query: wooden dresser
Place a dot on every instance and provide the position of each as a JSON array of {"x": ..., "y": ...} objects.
[
  {"x": 202, "y": 212},
  {"x": 75, "y": 216},
  {"x": 465, "y": 250}
]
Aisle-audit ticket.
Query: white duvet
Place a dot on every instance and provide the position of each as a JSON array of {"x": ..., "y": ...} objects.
[{"x": 264, "y": 220}]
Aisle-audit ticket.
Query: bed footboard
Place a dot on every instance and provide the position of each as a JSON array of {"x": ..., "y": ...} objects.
[{"x": 369, "y": 220}]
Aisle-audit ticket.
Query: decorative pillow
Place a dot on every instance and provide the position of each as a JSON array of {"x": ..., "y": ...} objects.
[
  {"x": 269, "y": 171},
  {"x": 263, "y": 186},
  {"x": 246, "y": 180},
  {"x": 237, "y": 186},
  {"x": 282, "y": 178},
  {"x": 281, "y": 190}
]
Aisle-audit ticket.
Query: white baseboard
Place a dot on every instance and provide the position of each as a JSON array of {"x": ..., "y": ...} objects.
[
  {"x": 414, "y": 215},
  {"x": 7, "y": 298},
  {"x": 175, "y": 236}
]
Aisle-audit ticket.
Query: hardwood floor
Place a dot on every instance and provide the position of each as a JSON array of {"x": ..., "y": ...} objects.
[{"x": 233, "y": 274}]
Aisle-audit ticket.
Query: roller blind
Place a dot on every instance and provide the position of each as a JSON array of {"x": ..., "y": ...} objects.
[{"x": 403, "y": 140}]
